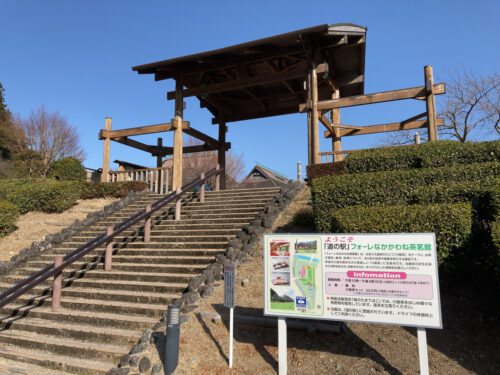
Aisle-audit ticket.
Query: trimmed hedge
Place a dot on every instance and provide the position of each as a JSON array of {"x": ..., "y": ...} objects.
[
  {"x": 429, "y": 154},
  {"x": 47, "y": 196},
  {"x": 324, "y": 169},
  {"x": 91, "y": 190},
  {"x": 453, "y": 192},
  {"x": 450, "y": 222},
  {"x": 386, "y": 188},
  {"x": 68, "y": 169},
  {"x": 8, "y": 216}
]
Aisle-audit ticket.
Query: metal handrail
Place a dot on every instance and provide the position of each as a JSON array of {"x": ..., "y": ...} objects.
[{"x": 50, "y": 270}]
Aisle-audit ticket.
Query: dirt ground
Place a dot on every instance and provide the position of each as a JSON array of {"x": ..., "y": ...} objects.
[
  {"x": 34, "y": 226},
  {"x": 468, "y": 344}
]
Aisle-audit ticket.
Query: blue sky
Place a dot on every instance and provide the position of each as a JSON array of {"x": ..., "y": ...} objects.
[{"x": 76, "y": 57}]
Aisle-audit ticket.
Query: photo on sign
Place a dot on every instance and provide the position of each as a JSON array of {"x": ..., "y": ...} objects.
[
  {"x": 281, "y": 264},
  {"x": 280, "y": 248},
  {"x": 282, "y": 299},
  {"x": 280, "y": 278},
  {"x": 306, "y": 246}
]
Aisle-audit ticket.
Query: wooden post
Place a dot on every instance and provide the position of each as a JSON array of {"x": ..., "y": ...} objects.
[
  {"x": 109, "y": 250},
  {"x": 336, "y": 140},
  {"x": 309, "y": 122},
  {"x": 57, "y": 287},
  {"x": 105, "y": 153},
  {"x": 159, "y": 162},
  {"x": 147, "y": 225},
  {"x": 178, "y": 204},
  {"x": 179, "y": 108},
  {"x": 430, "y": 102},
  {"x": 314, "y": 116},
  {"x": 202, "y": 188},
  {"x": 217, "y": 179},
  {"x": 221, "y": 155}
]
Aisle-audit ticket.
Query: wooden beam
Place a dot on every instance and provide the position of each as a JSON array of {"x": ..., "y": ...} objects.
[
  {"x": 416, "y": 117},
  {"x": 221, "y": 154},
  {"x": 336, "y": 137},
  {"x": 135, "y": 144},
  {"x": 349, "y": 80},
  {"x": 379, "y": 97},
  {"x": 239, "y": 84},
  {"x": 201, "y": 136},
  {"x": 140, "y": 130},
  {"x": 385, "y": 128},
  {"x": 324, "y": 120},
  {"x": 274, "y": 69},
  {"x": 314, "y": 120},
  {"x": 268, "y": 113},
  {"x": 106, "y": 152}
]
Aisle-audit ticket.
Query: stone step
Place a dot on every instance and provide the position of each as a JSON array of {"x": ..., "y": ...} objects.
[
  {"x": 163, "y": 237},
  {"x": 141, "y": 259},
  {"x": 85, "y": 317},
  {"x": 178, "y": 232},
  {"x": 66, "y": 364},
  {"x": 191, "y": 211},
  {"x": 140, "y": 244},
  {"x": 206, "y": 214},
  {"x": 81, "y": 332},
  {"x": 65, "y": 346},
  {"x": 154, "y": 287},
  {"x": 186, "y": 225},
  {"x": 96, "y": 305},
  {"x": 191, "y": 268},
  {"x": 147, "y": 252},
  {"x": 151, "y": 298},
  {"x": 100, "y": 274}
]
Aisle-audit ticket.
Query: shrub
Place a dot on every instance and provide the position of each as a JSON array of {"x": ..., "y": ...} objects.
[
  {"x": 91, "y": 190},
  {"x": 68, "y": 169},
  {"x": 387, "y": 188},
  {"x": 304, "y": 218},
  {"x": 430, "y": 154},
  {"x": 8, "y": 216},
  {"x": 450, "y": 222},
  {"x": 48, "y": 196},
  {"x": 324, "y": 169}
]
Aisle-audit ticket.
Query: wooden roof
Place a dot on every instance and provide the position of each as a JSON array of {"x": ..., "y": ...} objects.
[{"x": 266, "y": 77}]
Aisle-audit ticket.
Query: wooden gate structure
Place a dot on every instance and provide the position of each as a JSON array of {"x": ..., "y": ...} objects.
[{"x": 315, "y": 70}]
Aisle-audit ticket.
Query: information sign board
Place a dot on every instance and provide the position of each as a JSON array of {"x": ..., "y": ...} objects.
[
  {"x": 229, "y": 277},
  {"x": 374, "y": 278}
]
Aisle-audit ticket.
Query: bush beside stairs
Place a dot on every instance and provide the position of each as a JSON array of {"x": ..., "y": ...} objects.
[{"x": 102, "y": 313}]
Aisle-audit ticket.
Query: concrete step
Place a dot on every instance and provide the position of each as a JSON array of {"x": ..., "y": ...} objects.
[
  {"x": 49, "y": 360},
  {"x": 142, "y": 259},
  {"x": 96, "y": 305},
  {"x": 64, "y": 346},
  {"x": 188, "y": 225},
  {"x": 145, "y": 252},
  {"x": 80, "y": 332},
  {"x": 164, "y": 237}
]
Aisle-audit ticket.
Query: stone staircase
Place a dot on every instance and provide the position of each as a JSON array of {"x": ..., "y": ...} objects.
[{"x": 102, "y": 313}]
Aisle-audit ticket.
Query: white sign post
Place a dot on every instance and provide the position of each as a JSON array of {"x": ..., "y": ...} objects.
[
  {"x": 371, "y": 278},
  {"x": 229, "y": 278}
]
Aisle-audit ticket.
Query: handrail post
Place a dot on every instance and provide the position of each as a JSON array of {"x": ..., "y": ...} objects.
[
  {"x": 109, "y": 250},
  {"x": 147, "y": 226},
  {"x": 178, "y": 204},
  {"x": 202, "y": 188},
  {"x": 217, "y": 178},
  {"x": 57, "y": 286}
]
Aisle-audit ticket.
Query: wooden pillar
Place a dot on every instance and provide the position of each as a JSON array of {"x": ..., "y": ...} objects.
[
  {"x": 221, "y": 155},
  {"x": 314, "y": 117},
  {"x": 336, "y": 140},
  {"x": 159, "y": 162},
  {"x": 105, "y": 153},
  {"x": 309, "y": 122},
  {"x": 430, "y": 102},
  {"x": 179, "y": 108}
]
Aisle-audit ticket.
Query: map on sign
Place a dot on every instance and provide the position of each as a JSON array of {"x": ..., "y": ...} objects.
[
  {"x": 295, "y": 274},
  {"x": 379, "y": 278}
]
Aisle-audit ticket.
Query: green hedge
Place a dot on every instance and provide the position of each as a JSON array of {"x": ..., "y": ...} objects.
[
  {"x": 429, "y": 154},
  {"x": 68, "y": 169},
  {"x": 453, "y": 192},
  {"x": 8, "y": 216},
  {"x": 48, "y": 196},
  {"x": 324, "y": 169},
  {"x": 450, "y": 222},
  {"x": 92, "y": 190},
  {"x": 387, "y": 188}
]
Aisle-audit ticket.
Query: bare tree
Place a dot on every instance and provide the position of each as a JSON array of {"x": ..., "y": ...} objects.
[
  {"x": 491, "y": 106},
  {"x": 465, "y": 106},
  {"x": 199, "y": 162},
  {"x": 45, "y": 138}
]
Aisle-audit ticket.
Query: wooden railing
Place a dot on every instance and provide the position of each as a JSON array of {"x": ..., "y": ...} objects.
[
  {"x": 55, "y": 269},
  {"x": 159, "y": 180}
]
